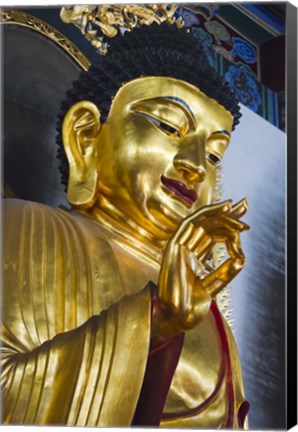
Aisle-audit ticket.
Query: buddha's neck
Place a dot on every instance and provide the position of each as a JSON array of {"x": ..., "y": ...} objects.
[{"x": 126, "y": 233}]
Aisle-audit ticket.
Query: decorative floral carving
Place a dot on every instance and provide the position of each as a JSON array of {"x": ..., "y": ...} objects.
[
  {"x": 219, "y": 31},
  {"x": 244, "y": 50},
  {"x": 190, "y": 19},
  {"x": 202, "y": 36},
  {"x": 205, "y": 39},
  {"x": 223, "y": 52},
  {"x": 206, "y": 10},
  {"x": 245, "y": 86}
]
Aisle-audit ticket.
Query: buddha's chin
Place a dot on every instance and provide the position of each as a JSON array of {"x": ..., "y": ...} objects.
[
  {"x": 166, "y": 216},
  {"x": 156, "y": 218}
]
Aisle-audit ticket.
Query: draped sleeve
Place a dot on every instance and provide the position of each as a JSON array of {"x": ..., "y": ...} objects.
[{"x": 72, "y": 353}]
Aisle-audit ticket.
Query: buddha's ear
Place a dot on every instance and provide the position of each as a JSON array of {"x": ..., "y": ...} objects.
[{"x": 80, "y": 131}]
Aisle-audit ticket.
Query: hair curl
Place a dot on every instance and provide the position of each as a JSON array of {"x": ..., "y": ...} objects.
[{"x": 158, "y": 50}]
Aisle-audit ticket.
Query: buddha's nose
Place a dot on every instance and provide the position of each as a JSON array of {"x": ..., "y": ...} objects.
[{"x": 191, "y": 163}]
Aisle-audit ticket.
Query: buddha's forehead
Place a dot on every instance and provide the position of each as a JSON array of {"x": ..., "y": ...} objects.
[{"x": 192, "y": 98}]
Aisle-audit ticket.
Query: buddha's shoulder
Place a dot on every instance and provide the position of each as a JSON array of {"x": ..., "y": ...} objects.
[{"x": 27, "y": 219}]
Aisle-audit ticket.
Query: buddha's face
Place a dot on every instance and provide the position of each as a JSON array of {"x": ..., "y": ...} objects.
[{"x": 158, "y": 151}]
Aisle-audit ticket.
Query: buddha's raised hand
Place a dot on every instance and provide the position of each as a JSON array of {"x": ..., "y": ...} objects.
[{"x": 185, "y": 292}]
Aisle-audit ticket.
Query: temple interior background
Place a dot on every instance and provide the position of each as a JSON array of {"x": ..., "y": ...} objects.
[{"x": 246, "y": 44}]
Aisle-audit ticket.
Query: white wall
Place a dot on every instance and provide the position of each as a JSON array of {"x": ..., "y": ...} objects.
[{"x": 254, "y": 166}]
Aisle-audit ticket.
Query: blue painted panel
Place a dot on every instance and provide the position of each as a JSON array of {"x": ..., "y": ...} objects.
[{"x": 267, "y": 16}]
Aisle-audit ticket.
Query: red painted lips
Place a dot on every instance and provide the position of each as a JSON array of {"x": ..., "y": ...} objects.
[{"x": 179, "y": 189}]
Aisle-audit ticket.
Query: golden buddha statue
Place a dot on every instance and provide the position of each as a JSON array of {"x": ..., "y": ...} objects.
[{"x": 109, "y": 309}]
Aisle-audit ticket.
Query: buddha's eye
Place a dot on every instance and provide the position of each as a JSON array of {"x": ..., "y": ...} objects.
[
  {"x": 169, "y": 129},
  {"x": 214, "y": 159},
  {"x": 165, "y": 127}
]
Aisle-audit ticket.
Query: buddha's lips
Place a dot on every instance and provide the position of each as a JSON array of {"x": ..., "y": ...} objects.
[{"x": 179, "y": 189}]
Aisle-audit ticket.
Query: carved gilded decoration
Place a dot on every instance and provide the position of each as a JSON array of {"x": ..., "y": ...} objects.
[{"x": 36, "y": 24}]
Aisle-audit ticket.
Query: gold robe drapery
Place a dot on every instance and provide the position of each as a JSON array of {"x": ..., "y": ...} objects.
[
  {"x": 64, "y": 362},
  {"x": 75, "y": 341}
]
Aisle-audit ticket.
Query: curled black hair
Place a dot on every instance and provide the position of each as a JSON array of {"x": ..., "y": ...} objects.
[{"x": 158, "y": 50}]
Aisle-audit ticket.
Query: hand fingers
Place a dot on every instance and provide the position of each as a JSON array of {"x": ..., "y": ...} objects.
[
  {"x": 205, "y": 212},
  {"x": 214, "y": 213},
  {"x": 190, "y": 224},
  {"x": 215, "y": 210},
  {"x": 234, "y": 246},
  {"x": 203, "y": 248},
  {"x": 210, "y": 221},
  {"x": 216, "y": 231},
  {"x": 201, "y": 240},
  {"x": 238, "y": 210},
  {"x": 236, "y": 224},
  {"x": 231, "y": 239},
  {"x": 222, "y": 276},
  {"x": 183, "y": 236},
  {"x": 222, "y": 221}
]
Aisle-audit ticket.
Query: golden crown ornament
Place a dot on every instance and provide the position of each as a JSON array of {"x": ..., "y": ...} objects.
[{"x": 98, "y": 22}]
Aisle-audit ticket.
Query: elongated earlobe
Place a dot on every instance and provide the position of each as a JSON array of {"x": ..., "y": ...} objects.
[{"x": 80, "y": 132}]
